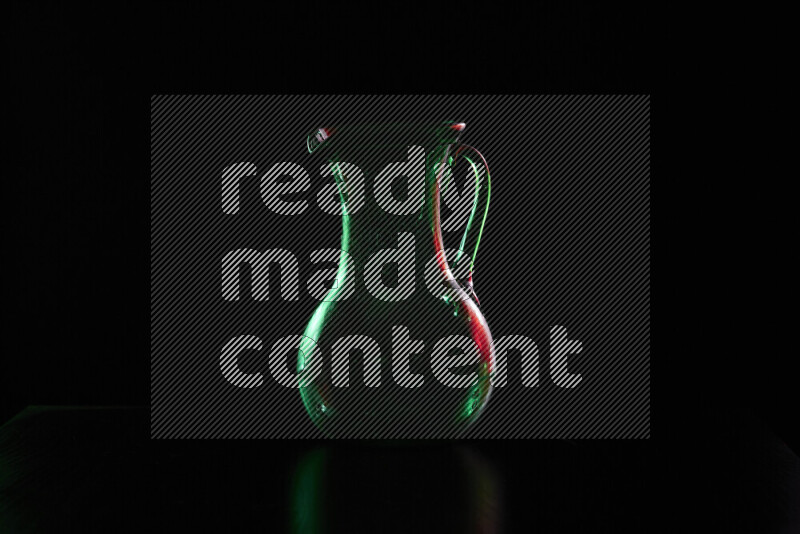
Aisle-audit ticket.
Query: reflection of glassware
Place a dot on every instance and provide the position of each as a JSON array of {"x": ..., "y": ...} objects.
[
  {"x": 377, "y": 489},
  {"x": 387, "y": 335}
]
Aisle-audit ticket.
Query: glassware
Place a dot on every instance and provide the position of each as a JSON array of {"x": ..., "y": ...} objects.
[{"x": 389, "y": 353}]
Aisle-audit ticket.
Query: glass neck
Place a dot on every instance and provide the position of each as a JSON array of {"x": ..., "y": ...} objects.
[{"x": 375, "y": 214}]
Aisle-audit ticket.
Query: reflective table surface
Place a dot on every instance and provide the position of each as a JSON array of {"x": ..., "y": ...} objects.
[{"x": 95, "y": 469}]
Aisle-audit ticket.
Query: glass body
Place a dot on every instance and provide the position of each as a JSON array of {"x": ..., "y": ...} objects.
[{"x": 375, "y": 351}]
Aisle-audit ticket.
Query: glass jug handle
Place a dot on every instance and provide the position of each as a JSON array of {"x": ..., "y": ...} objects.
[{"x": 471, "y": 240}]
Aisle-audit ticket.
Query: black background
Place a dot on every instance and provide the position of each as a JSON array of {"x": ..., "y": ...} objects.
[
  {"x": 75, "y": 238},
  {"x": 80, "y": 81}
]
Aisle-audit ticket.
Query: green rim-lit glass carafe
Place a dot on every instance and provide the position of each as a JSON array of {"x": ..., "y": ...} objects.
[{"x": 398, "y": 347}]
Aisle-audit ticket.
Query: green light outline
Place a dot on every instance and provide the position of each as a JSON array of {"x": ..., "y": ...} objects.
[
  {"x": 472, "y": 215},
  {"x": 318, "y": 319}
]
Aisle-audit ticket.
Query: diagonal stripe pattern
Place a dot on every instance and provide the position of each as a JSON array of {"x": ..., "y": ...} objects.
[{"x": 565, "y": 257}]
